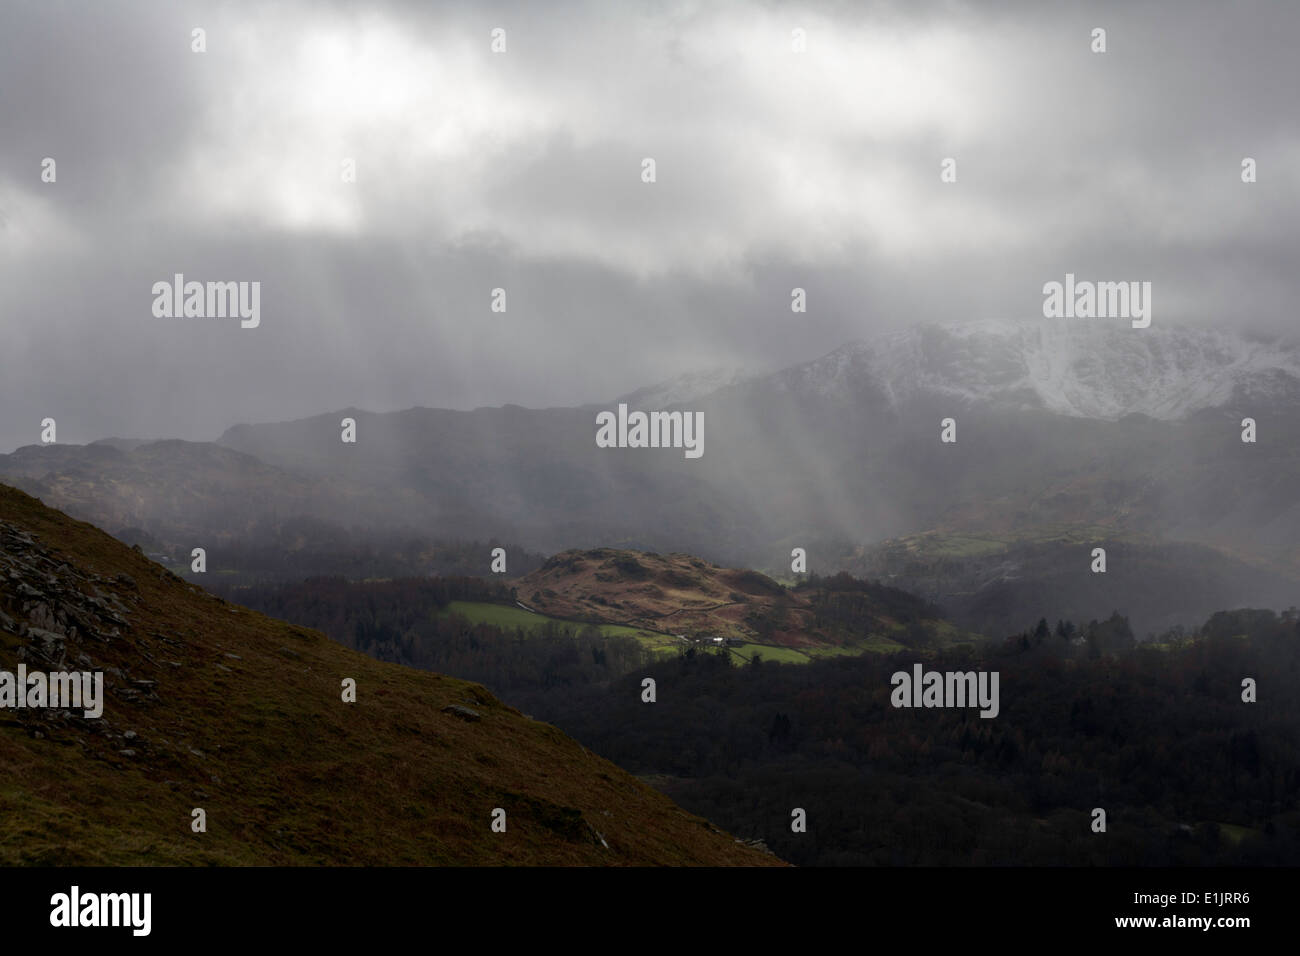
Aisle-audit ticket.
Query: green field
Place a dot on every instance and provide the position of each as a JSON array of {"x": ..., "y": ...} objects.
[
  {"x": 877, "y": 644},
  {"x": 510, "y": 618},
  {"x": 498, "y": 615},
  {"x": 744, "y": 653}
]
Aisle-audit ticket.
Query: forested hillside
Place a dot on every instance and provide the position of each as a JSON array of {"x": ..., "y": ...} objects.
[{"x": 1154, "y": 733}]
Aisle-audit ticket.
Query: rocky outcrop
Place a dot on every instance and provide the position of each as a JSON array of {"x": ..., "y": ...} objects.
[{"x": 57, "y": 617}]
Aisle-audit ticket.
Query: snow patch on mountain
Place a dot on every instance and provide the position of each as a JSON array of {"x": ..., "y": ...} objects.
[{"x": 1078, "y": 368}]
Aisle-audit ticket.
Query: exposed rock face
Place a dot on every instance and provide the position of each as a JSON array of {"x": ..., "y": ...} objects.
[
  {"x": 50, "y": 595},
  {"x": 464, "y": 713},
  {"x": 57, "y": 617}
]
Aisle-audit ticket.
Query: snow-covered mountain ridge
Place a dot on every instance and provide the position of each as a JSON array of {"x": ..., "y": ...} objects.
[{"x": 1080, "y": 368}]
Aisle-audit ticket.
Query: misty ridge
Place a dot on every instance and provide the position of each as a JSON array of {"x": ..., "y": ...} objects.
[{"x": 1068, "y": 435}]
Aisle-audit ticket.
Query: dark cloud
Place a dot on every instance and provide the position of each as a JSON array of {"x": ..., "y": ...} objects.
[{"x": 522, "y": 171}]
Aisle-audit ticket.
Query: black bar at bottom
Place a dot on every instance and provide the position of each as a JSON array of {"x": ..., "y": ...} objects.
[{"x": 331, "y": 906}]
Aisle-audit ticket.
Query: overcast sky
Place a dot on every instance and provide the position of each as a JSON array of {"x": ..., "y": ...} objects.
[{"x": 522, "y": 170}]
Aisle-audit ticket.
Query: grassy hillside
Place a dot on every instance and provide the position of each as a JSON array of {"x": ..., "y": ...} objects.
[
  {"x": 212, "y": 706},
  {"x": 510, "y": 618},
  {"x": 667, "y": 645}
]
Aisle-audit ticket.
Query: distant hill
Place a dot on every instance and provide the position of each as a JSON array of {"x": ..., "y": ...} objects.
[
  {"x": 1134, "y": 434},
  {"x": 172, "y": 490},
  {"x": 686, "y": 595},
  {"x": 1135, "y": 431},
  {"x": 1002, "y": 584},
  {"x": 212, "y": 706},
  {"x": 675, "y": 592}
]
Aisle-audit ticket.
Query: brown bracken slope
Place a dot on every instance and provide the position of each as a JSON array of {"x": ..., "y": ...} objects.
[
  {"x": 672, "y": 593},
  {"x": 212, "y": 706}
]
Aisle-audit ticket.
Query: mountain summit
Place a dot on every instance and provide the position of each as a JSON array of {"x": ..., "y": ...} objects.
[{"x": 1082, "y": 368}]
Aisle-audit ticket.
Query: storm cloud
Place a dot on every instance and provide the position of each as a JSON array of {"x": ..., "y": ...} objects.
[{"x": 522, "y": 170}]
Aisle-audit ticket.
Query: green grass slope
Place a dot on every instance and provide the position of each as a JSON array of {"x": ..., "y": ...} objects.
[{"x": 212, "y": 706}]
